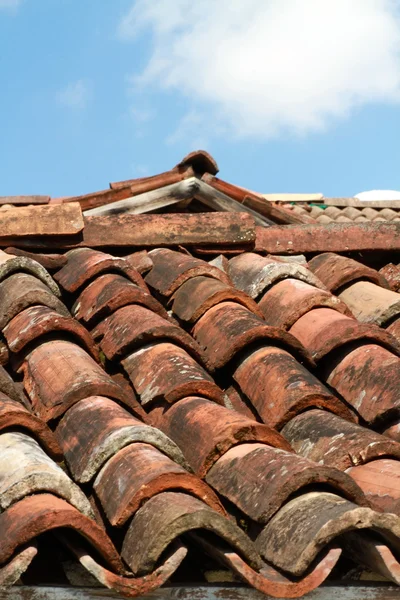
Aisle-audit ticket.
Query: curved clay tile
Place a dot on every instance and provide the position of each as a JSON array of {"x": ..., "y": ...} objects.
[
  {"x": 50, "y": 261},
  {"x": 132, "y": 327},
  {"x": 37, "y": 321},
  {"x": 323, "y": 330},
  {"x": 10, "y": 265},
  {"x": 163, "y": 371},
  {"x": 139, "y": 472},
  {"x": 57, "y": 374},
  {"x": 279, "y": 387},
  {"x": 171, "y": 269},
  {"x": 20, "y": 291},
  {"x": 96, "y": 428},
  {"x": 12, "y": 571},
  {"x": 127, "y": 585},
  {"x": 244, "y": 475},
  {"x": 199, "y": 294},
  {"x": 205, "y": 431},
  {"x": 25, "y": 469},
  {"x": 268, "y": 580},
  {"x": 25, "y": 520},
  {"x": 253, "y": 273},
  {"x": 380, "y": 482},
  {"x": 201, "y": 162},
  {"x": 106, "y": 294},
  {"x": 330, "y": 440},
  {"x": 293, "y": 538},
  {"x": 370, "y": 303},
  {"x": 169, "y": 515},
  {"x": 368, "y": 379},
  {"x": 229, "y": 328},
  {"x": 84, "y": 264},
  {"x": 336, "y": 271},
  {"x": 288, "y": 300}
]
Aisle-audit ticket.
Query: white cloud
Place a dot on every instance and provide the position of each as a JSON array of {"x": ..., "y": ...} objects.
[
  {"x": 262, "y": 67},
  {"x": 74, "y": 95}
]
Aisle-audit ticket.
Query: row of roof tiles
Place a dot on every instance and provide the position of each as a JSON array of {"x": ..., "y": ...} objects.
[{"x": 176, "y": 400}]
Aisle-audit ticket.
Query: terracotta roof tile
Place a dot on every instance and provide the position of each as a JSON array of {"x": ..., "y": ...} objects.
[
  {"x": 108, "y": 428},
  {"x": 205, "y": 431},
  {"x": 106, "y": 294},
  {"x": 244, "y": 474},
  {"x": 336, "y": 271},
  {"x": 163, "y": 371},
  {"x": 279, "y": 387},
  {"x": 139, "y": 472}
]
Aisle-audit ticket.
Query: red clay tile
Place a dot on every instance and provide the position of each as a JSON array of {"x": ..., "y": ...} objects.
[
  {"x": 10, "y": 265},
  {"x": 140, "y": 261},
  {"x": 228, "y": 328},
  {"x": 163, "y": 371},
  {"x": 244, "y": 475},
  {"x": 288, "y": 300},
  {"x": 253, "y": 273},
  {"x": 268, "y": 580},
  {"x": 141, "y": 185},
  {"x": 380, "y": 481},
  {"x": 331, "y": 237},
  {"x": 57, "y": 374},
  {"x": 205, "y": 431},
  {"x": 171, "y": 269},
  {"x": 36, "y": 514},
  {"x": 169, "y": 515},
  {"x": 373, "y": 554},
  {"x": 215, "y": 231},
  {"x": 391, "y": 273},
  {"x": 336, "y": 271},
  {"x": 14, "y": 416},
  {"x": 99, "y": 198},
  {"x": 108, "y": 293},
  {"x": 368, "y": 379},
  {"x": 134, "y": 326},
  {"x": 332, "y": 441},
  {"x": 25, "y": 469},
  {"x": 370, "y": 303},
  {"x": 201, "y": 162},
  {"x": 29, "y": 223},
  {"x": 11, "y": 572},
  {"x": 37, "y": 321},
  {"x": 296, "y": 534},
  {"x": 280, "y": 388},
  {"x": 199, "y": 294},
  {"x": 19, "y": 291},
  {"x": 50, "y": 262},
  {"x": 323, "y": 330},
  {"x": 139, "y": 472},
  {"x": 84, "y": 264},
  {"x": 96, "y": 428},
  {"x": 129, "y": 586}
]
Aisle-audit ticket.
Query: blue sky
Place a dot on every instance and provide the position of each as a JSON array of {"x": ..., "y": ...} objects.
[{"x": 100, "y": 90}]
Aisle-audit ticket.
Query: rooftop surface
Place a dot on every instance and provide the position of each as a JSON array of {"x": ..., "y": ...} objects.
[{"x": 197, "y": 384}]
